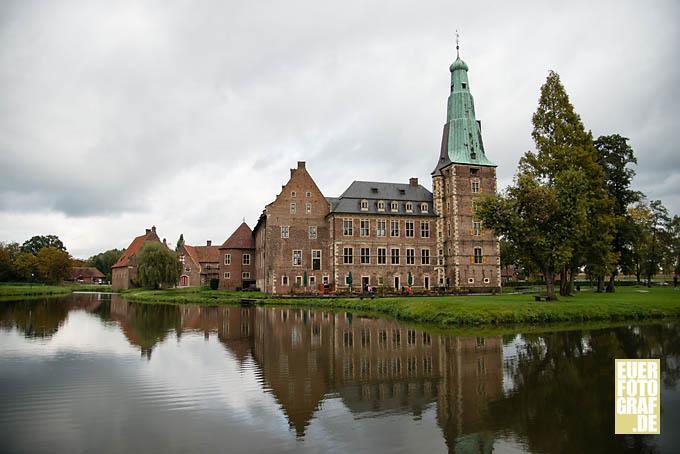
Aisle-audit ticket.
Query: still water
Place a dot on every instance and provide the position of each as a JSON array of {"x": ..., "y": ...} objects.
[{"x": 95, "y": 373}]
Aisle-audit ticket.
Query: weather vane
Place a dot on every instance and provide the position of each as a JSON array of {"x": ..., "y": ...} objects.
[{"x": 457, "y": 47}]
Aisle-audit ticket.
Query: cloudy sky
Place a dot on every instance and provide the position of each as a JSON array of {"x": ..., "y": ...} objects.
[{"x": 188, "y": 114}]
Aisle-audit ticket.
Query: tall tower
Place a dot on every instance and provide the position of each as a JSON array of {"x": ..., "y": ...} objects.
[{"x": 468, "y": 256}]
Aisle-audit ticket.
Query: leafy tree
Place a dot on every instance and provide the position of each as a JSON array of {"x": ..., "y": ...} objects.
[
  {"x": 658, "y": 225},
  {"x": 614, "y": 156},
  {"x": 640, "y": 219},
  {"x": 674, "y": 249},
  {"x": 6, "y": 264},
  {"x": 180, "y": 241},
  {"x": 105, "y": 260},
  {"x": 38, "y": 242},
  {"x": 564, "y": 145},
  {"x": 158, "y": 266},
  {"x": 25, "y": 266},
  {"x": 53, "y": 265}
]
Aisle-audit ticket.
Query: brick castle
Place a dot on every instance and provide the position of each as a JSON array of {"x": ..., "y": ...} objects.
[{"x": 392, "y": 236}]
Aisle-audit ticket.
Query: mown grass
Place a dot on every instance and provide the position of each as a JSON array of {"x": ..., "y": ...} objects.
[
  {"x": 14, "y": 290},
  {"x": 628, "y": 303}
]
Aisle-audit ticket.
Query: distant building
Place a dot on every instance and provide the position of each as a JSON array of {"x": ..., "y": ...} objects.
[
  {"x": 86, "y": 275},
  {"x": 124, "y": 271},
  {"x": 237, "y": 260},
  {"x": 200, "y": 264}
]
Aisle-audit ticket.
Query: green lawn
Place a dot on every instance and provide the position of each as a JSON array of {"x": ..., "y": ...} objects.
[
  {"x": 14, "y": 290},
  {"x": 628, "y": 303}
]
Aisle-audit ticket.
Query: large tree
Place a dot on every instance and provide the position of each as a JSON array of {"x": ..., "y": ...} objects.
[
  {"x": 658, "y": 225},
  {"x": 6, "y": 264},
  {"x": 564, "y": 145},
  {"x": 615, "y": 156},
  {"x": 38, "y": 242},
  {"x": 158, "y": 266},
  {"x": 53, "y": 265},
  {"x": 25, "y": 266},
  {"x": 105, "y": 260}
]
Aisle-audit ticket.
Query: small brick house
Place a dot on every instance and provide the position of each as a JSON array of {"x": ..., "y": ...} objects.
[
  {"x": 86, "y": 275},
  {"x": 124, "y": 271},
  {"x": 199, "y": 264},
  {"x": 237, "y": 260}
]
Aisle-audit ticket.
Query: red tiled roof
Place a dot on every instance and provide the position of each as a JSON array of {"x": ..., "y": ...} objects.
[
  {"x": 81, "y": 272},
  {"x": 192, "y": 253},
  {"x": 135, "y": 246},
  {"x": 242, "y": 238},
  {"x": 208, "y": 253}
]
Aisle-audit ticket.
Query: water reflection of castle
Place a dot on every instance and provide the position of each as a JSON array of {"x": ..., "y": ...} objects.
[{"x": 373, "y": 365}]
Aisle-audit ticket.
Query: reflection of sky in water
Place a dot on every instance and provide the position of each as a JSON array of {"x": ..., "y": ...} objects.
[{"x": 87, "y": 388}]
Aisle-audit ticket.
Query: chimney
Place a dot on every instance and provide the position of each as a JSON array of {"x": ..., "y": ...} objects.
[
  {"x": 148, "y": 231},
  {"x": 153, "y": 228},
  {"x": 208, "y": 243},
  {"x": 165, "y": 243},
  {"x": 413, "y": 181},
  {"x": 301, "y": 165}
]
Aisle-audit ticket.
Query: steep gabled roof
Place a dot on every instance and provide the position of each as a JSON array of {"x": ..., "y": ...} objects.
[
  {"x": 135, "y": 246},
  {"x": 242, "y": 238}
]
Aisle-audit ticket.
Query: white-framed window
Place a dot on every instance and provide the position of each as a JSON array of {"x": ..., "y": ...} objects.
[
  {"x": 381, "y": 281},
  {"x": 424, "y": 256},
  {"x": 365, "y": 255},
  {"x": 364, "y": 205},
  {"x": 424, "y": 207},
  {"x": 476, "y": 228},
  {"x": 348, "y": 255},
  {"x": 364, "y": 227},
  {"x": 285, "y": 231},
  {"x": 381, "y": 205},
  {"x": 347, "y": 279},
  {"x": 409, "y": 229},
  {"x": 478, "y": 255},
  {"x": 410, "y": 256},
  {"x": 227, "y": 259},
  {"x": 408, "y": 207},
  {"x": 424, "y": 229},
  {"x": 293, "y": 194},
  {"x": 347, "y": 227},
  {"x": 312, "y": 232},
  {"x": 382, "y": 256},
  {"x": 298, "y": 281},
  {"x": 325, "y": 279},
  {"x": 245, "y": 275},
  {"x": 471, "y": 280},
  {"x": 284, "y": 280},
  {"x": 394, "y": 255},
  {"x": 474, "y": 185},
  {"x": 181, "y": 259},
  {"x": 308, "y": 194},
  {"x": 394, "y": 206},
  {"x": 293, "y": 208},
  {"x": 316, "y": 259},
  {"x": 297, "y": 257},
  {"x": 394, "y": 227},
  {"x": 308, "y": 207},
  {"x": 380, "y": 227},
  {"x": 312, "y": 281},
  {"x": 246, "y": 259},
  {"x": 227, "y": 275},
  {"x": 487, "y": 280}
]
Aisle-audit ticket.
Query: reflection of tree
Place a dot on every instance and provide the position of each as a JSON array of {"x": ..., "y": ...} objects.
[
  {"x": 34, "y": 318},
  {"x": 563, "y": 397}
]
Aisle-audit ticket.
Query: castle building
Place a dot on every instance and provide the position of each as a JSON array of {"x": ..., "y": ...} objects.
[
  {"x": 200, "y": 264},
  {"x": 393, "y": 236},
  {"x": 124, "y": 271}
]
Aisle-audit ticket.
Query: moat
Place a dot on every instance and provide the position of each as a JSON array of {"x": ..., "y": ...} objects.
[{"x": 96, "y": 373}]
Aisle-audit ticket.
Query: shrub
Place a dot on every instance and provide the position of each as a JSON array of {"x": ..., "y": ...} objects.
[{"x": 214, "y": 283}]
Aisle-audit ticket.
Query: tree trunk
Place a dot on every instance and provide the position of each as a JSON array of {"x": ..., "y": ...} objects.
[
  {"x": 600, "y": 284},
  {"x": 610, "y": 284},
  {"x": 564, "y": 282},
  {"x": 550, "y": 285},
  {"x": 572, "y": 277}
]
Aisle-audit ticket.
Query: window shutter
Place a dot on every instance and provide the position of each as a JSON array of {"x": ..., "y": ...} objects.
[
  {"x": 485, "y": 259},
  {"x": 472, "y": 259}
]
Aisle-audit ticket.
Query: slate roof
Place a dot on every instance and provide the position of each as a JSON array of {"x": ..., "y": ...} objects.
[
  {"x": 373, "y": 192},
  {"x": 242, "y": 238},
  {"x": 135, "y": 246}
]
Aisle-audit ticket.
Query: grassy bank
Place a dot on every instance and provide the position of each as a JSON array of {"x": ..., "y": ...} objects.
[
  {"x": 629, "y": 303},
  {"x": 14, "y": 290}
]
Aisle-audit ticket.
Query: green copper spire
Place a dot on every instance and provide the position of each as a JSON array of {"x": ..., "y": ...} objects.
[{"x": 462, "y": 131}]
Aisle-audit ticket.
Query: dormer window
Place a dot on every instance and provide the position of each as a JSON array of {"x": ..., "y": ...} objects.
[
  {"x": 409, "y": 207},
  {"x": 381, "y": 205},
  {"x": 424, "y": 208},
  {"x": 394, "y": 206},
  {"x": 364, "y": 205},
  {"x": 402, "y": 192},
  {"x": 374, "y": 190}
]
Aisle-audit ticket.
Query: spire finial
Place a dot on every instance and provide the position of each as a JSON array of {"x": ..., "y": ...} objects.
[
  {"x": 244, "y": 219},
  {"x": 457, "y": 45}
]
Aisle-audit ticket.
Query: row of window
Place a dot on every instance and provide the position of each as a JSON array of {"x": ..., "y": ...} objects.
[
  {"x": 311, "y": 232},
  {"x": 381, "y": 256},
  {"x": 411, "y": 338},
  {"x": 381, "y": 228},
  {"x": 293, "y": 208},
  {"x": 293, "y": 194},
  {"x": 245, "y": 260},
  {"x": 244, "y": 275},
  {"x": 394, "y": 206}
]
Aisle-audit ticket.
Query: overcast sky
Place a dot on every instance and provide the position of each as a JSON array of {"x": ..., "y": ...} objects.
[{"x": 188, "y": 114}]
